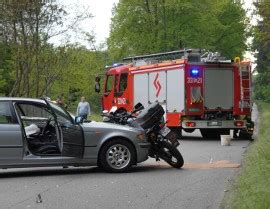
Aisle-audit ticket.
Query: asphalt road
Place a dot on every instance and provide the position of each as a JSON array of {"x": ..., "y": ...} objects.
[{"x": 207, "y": 174}]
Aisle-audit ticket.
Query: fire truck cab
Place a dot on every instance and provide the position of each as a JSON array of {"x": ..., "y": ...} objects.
[{"x": 197, "y": 91}]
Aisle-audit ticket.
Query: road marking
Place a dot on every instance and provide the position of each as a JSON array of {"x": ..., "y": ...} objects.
[{"x": 215, "y": 164}]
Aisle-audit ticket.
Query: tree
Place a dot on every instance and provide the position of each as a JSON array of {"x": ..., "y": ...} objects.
[
  {"x": 26, "y": 29},
  {"x": 5, "y": 64},
  {"x": 262, "y": 45},
  {"x": 144, "y": 26},
  {"x": 77, "y": 68}
]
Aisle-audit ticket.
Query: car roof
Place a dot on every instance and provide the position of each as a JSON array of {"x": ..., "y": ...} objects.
[{"x": 21, "y": 99}]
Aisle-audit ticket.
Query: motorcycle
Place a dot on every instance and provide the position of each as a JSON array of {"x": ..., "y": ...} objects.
[{"x": 163, "y": 142}]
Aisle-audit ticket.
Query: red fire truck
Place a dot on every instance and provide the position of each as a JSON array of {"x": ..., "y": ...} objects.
[{"x": 196, "y": 90}]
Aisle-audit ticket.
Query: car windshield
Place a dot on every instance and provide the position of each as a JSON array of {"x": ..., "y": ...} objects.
[
  {"x": 72, "y": 115},
  {"x": 62, "y": 116}
]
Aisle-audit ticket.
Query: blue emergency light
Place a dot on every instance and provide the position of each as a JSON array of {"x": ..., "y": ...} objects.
[
  {"x": 117, "y": 64},
  {"x": 194, "y": 72}
]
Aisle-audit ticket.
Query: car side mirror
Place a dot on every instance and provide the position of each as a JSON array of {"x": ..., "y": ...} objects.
[{"x": 78, "y": 119}]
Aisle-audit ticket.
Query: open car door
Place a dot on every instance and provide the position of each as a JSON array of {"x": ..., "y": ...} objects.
[{"x": 72, "y": 139}]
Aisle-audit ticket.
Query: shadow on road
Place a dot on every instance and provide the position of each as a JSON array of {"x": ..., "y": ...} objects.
[
  {"x": 199, "y": 138},
  {"x": 34, "y": 172}
]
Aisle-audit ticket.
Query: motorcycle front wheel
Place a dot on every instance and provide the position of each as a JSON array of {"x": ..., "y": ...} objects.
[{"x": 170, "y": 154}]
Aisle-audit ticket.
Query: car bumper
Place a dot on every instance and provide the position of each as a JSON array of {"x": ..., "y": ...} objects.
[
  {"x": 143, "y": 151},
  {"x": 213, "y": 124},
  {"x": 144, "y": 145}
]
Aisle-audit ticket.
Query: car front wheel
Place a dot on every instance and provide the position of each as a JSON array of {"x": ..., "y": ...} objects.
[{"x": 117, "y": 155}]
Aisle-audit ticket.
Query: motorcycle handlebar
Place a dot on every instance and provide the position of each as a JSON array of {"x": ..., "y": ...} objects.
[
  {"x": 137, "y": 110},
  {"x": 123, "y": 116}
]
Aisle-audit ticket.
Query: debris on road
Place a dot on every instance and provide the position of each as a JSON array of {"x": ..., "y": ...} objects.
[{"x": 38, "y": 198}]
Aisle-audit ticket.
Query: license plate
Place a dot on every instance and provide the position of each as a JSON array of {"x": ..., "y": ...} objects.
[
  {"x": 214, "y": 123},
  {"x": 165, "y": 131}
]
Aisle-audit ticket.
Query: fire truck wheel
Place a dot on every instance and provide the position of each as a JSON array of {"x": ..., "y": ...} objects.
[
  {"x": 117, "y": 155},
  {"x": 214, "y": 133},
  {"x": 189, "y": 130},
  {"x": 245, "y": 135}
]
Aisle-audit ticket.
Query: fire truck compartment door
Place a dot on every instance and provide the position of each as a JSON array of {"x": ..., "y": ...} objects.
[
  {"x": 157, "y": 87},
  {"x": 175, "y": 90},
  {"x": 218, "y": 88},
  {"x": 141, "y": 89}
]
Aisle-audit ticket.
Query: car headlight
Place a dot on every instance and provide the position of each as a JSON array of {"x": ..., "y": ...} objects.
[{"x": 141, "y": 137}]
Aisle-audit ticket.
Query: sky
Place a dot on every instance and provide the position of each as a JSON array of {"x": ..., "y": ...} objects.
[{"x": 100, "y": 23}]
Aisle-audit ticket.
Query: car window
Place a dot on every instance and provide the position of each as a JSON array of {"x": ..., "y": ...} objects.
[
  {"x": 62, "y": 117},
  {"x": 33, "y": 111},
  {"x": 5, "y": 113},
  {"x": 116, "y": 80},
  {"x": 123, "y": 82}
]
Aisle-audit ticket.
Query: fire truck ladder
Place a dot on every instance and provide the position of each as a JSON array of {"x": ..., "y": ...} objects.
[
  {"x": 179, "y": 54},
  {"x": 245, "y": 93},
  {"x": 192, "y": 55}
]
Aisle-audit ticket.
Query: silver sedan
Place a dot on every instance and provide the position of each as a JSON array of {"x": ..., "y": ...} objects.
[{"x": 36, "y": 132}]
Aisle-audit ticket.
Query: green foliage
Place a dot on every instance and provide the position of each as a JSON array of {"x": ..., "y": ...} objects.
[
  {"x": 77, "y": 70},
  {"x": 26, "y": 28},
  {"x": 140, "y": 27},
  {"x": 262, "y": 46},
  {"x": 96, "y": 117},
  {"x": 262, "y": 86},
  {"x": 5, "y": 65},
  {"x": 251, "y": 189}
]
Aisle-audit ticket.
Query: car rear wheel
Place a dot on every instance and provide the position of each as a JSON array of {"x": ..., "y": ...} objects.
[
  {"x": 117, "y": 155},
  {"x": 243, "y": 134}
]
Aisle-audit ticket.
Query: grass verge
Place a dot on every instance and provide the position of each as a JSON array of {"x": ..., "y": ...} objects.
[
  {"x": 96, "y": 117},
  {"x": 252, "y": 186}
]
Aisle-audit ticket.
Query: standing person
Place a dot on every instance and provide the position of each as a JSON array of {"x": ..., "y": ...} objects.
[
  {"x": 83, "y": 108},
  {"x": 59, "y": 100}
]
